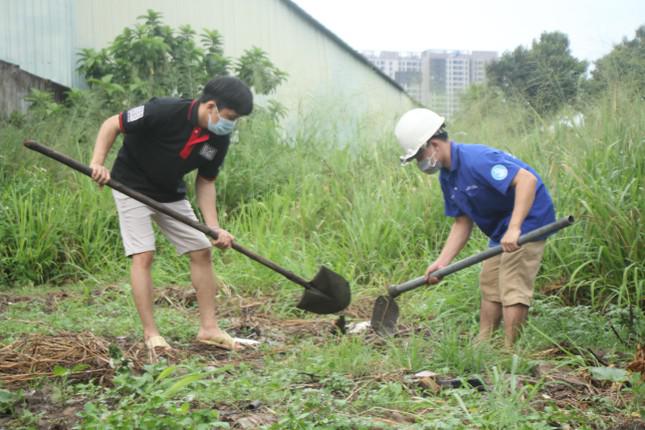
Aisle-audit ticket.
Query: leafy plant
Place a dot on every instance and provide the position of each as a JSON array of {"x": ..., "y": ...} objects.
[
  {"x": 63, "y": 374},
  {"x": 8, "y": 400},
  {"x": 609, "y": 374},
  {"x": 152, "y": 59},
  {"x": 157, "y": 398},
  {"x": 42, "y": 103},
  {"x": 255, "y": 68}
]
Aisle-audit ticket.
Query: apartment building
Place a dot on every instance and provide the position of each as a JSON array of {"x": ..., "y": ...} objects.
[
  {"x": 402, "y": 67},
  {"x": 436, "y": 78}
]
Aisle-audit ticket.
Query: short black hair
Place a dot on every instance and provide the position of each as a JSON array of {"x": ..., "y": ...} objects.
[
  {"x": 229, "y": 93},
  {"x": 442, "y": 133}
]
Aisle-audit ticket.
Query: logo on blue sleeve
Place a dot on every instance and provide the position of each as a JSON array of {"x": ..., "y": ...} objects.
[{"x": 499, "y": 172}]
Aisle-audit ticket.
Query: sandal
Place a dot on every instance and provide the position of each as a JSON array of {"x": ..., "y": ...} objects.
[
  {"x": 157, "y": 342},
  {"x": 223, "y": 341}
]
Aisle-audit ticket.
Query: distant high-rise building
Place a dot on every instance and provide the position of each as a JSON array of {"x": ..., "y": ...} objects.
[
  {"x": 436, "y": 78},
  {"x": 403, "y": 67},
  {"x": 445, "y": 75}
]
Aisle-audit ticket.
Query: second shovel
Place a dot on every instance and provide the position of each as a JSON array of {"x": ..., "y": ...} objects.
[{"x": 386, "y": 312}]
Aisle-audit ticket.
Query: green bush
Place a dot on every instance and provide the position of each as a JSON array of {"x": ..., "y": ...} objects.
[{"x": 309, "y": 199}]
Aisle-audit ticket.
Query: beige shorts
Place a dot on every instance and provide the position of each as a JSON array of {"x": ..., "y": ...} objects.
[
  {"x": 508, "y": 278},
  {"x": 135, "y": 222}
]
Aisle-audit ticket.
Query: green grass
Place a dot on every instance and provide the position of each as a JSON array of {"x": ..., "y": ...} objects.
[
  {"x": 321, "y": 380},
  {"x": 339, "y": 198},
  {"x": 311, "y": 200}
]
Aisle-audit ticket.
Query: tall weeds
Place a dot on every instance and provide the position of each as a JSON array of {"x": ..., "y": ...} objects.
[{"x": 340, "y": 199}]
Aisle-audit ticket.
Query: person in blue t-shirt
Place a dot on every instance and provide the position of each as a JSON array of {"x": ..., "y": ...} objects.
[{"x": 503, "y": 195}]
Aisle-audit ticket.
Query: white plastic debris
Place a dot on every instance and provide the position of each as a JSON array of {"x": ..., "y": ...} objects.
[
  {"x": 425, "y": 374},
  {"x": 246, "y": 342},
  {"x": 358, "y": 327}
]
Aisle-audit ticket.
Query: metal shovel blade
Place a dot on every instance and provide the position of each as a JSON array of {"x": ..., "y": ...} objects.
[
  {"x": 329, "y": 293},
  {"x": 384, "y": 315}
]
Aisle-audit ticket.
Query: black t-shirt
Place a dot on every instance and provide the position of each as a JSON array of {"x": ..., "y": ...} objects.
[{"x": 162, "y": 143}]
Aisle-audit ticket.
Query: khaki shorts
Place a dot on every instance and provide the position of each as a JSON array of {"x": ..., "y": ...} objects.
[
  {"x": 508, "y": 278},
  {"x": 135, "y": 222}
]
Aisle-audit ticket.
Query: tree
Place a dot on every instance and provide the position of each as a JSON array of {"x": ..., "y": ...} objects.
[
  {"x": 625, "y": 64},
  {"x": 151, "y": 58},
  {"x": 255, "y": 68},
  {"x": 546, "y": 76},
  {"x": 188, "y": 58},
  {"x": 214, "y": 61}
]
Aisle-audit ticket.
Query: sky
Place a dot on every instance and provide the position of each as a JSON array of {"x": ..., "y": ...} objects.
[{"x": 593, "y": 26}]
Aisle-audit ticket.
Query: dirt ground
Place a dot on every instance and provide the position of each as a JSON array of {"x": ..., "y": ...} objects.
[{"x": 31, "y": 361}]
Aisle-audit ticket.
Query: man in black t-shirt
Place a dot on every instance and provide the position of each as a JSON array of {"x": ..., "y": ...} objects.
[{"x": 165, "y": 139}]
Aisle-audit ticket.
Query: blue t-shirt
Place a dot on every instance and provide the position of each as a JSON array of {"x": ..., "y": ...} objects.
[{"x": 478, "y": 185}]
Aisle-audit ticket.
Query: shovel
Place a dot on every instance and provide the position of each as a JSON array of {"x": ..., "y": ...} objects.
[
  {"x": 386, "y": 311},
  {"x": 327, "y": 293}
]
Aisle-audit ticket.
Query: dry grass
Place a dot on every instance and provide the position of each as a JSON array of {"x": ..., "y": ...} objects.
[
  {"x": 638, "y": 363},
  {"x": 36, "y": 356}
]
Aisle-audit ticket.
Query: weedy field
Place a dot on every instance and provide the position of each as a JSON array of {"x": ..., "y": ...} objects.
[
  {"x": 306, "y": 373},
  {"x": 71, "y": 354}
]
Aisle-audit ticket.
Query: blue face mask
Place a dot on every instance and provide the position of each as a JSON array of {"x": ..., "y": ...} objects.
[
  {"x": 429, "y": 165},
  {"x": 222, "y": 127}
]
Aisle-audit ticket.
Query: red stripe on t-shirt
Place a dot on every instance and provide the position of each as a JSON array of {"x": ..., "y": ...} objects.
[
  {"x": 121, "y": 123},
  {"x": 196, "y": 137}
]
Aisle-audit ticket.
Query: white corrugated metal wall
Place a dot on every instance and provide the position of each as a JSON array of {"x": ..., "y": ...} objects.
[
  {"x": 38, "y": 35},
  {"x": 322, "y": 72}
]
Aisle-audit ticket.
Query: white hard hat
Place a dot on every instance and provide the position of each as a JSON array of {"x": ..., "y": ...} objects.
[{"x": 414, "y": 129}]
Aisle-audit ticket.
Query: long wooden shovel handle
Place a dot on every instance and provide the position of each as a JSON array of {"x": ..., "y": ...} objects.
[
  {"x": 395, "y": 290},
  {"x": 163, "y": 209}
]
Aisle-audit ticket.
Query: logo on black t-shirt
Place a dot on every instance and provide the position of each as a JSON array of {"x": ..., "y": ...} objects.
[
  {"x": 208, "y": 152},
  {"x": 135, "y": 113}
]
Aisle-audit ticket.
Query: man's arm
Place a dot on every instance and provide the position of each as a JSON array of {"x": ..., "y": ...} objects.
[
  {"x": 524, "y": 183},
  {"x": 459, "y": 235},
  {"x": 104, "y": 140},
  {"x": 207, "y": 201}
]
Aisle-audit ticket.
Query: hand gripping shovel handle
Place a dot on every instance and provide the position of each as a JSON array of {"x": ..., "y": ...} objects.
[
  {"x": 395, "y": 290},
  {"x": 159, "y": 207}
]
